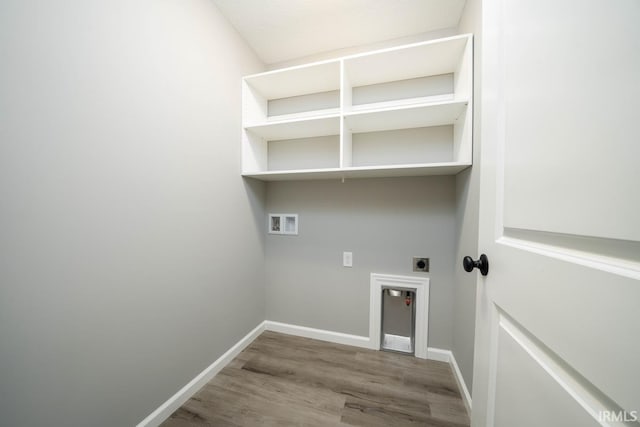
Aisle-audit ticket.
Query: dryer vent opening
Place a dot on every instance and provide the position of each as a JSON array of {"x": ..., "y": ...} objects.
[{"x": 398, "y": 320}]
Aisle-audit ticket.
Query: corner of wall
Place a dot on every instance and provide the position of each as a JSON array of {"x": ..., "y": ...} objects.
[{"x": 467, "y": 215}]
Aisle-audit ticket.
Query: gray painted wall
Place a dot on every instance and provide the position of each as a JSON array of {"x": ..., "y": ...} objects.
[
  {"x": 467, "y": 192},
  {"x": 384, "y": 222},
  {"x": 131, "y": 250}
]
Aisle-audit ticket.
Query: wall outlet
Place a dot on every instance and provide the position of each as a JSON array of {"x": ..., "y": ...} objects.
[
  {"x": 347, "y": 259},
  {"x": 420, "y": 264}
]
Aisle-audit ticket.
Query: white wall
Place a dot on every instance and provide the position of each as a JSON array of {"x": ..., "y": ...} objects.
[
  {"x": 384, "y": 222},
  {"x": 131, "y": 250},
  {"x": 353, "y": 50},
  {"x": 467, "y": 192}
]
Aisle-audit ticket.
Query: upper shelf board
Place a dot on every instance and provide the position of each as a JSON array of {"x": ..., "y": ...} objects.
[
  {"x": 428, "y": 58},
  {"x": 296, "y": 81},
  {"x": 435, "y": 114},
  {"x": 416, "y": 60},
  {"x": 298, "y": 128},
  {"x": 361, "y": 172}
]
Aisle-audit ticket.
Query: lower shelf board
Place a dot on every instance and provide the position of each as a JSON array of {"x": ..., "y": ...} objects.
[{"x": 387, "y": 171}]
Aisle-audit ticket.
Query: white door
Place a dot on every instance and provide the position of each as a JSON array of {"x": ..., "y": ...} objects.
[{"x": 558, "y": 315}]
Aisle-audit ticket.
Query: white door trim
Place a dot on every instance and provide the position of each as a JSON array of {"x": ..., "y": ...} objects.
[{"x": 421, "y": 287}]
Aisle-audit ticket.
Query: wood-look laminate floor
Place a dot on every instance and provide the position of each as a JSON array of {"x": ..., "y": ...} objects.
[{"x": 282, "y": 380}]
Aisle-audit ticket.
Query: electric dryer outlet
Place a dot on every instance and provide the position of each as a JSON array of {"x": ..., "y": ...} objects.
[{"x": 421, "y": 264}]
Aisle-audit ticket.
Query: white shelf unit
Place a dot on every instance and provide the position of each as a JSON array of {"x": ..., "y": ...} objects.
[{"x": 403, "y": 111}]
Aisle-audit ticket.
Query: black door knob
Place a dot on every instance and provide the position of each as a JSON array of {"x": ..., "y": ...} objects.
[{"x": 481, "y": 264}]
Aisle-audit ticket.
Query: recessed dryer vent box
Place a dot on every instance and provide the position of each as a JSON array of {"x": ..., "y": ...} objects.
[{"x": 283, "y": 224}]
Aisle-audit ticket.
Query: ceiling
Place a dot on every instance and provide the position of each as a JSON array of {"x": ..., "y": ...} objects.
[{"x": 282, "y": 30}]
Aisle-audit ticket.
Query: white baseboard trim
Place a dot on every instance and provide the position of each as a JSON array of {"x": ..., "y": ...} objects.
[
  {"x": 318, "y": 334},
  {"x": 466, "y": 396},
  {"x": 447, "y": 356},
  {"x": 439, "y": 354},
  {"x": 174, "y": 402},
  {"x": 364, "y": 342}
]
